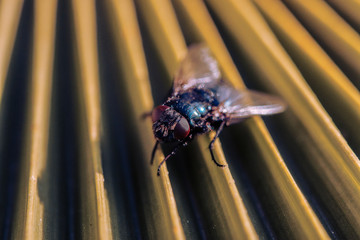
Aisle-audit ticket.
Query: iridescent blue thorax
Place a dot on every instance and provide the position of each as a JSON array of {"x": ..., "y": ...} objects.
[{"x": 194, "y": 104}]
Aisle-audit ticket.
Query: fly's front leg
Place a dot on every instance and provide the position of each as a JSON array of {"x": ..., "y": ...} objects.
[
  {"x": 211, "y": 145},
  {"x": 146, "y": 114},
  {"x": 153, "y": 152},
  {"x": 183, "y": 144}
]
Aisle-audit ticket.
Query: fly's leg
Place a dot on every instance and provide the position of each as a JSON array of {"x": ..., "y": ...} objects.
[
  {"x": 146, "y": 114},
  {"x": 211, "y": 145},
  {"x": 169, "y": 155},
  {"x": 153, "y": 152}
]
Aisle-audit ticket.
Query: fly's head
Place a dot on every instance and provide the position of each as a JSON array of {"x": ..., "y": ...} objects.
[{"x": 169, "y": 125}]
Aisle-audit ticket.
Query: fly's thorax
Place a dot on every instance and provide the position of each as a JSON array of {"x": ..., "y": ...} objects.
[
  {"x": 169, "y": 125},
  {"x": 194, "y": 104}
]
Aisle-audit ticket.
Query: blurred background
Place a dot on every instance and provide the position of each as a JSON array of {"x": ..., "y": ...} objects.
[{"x": 76, "y": 77}]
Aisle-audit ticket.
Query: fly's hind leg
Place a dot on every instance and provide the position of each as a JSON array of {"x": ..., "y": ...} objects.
[{"x": 211, "y": 145}]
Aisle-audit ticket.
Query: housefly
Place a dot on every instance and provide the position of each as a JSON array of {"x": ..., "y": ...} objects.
[{"x": 202, "y": 101}]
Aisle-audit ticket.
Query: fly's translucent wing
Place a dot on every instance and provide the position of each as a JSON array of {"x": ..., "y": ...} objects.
[
  {"x": 240, "y": 104},
  {"x": 198, "y": 69}
]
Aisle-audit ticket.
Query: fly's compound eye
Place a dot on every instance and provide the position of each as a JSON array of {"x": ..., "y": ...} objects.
[
  {"x": 157, "y": 112},
  {"x": 182, "y": 129}
]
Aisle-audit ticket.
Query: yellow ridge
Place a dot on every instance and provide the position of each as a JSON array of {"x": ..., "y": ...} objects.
[
  {"x": 328, "y": 26},
  {"x": 162, "y": 218},
  {"x": 350, "y": 8},
  {"x": 94, "y": 201},
  {"x": 334, "y": 161},
  {"x": 30, "y": 208},
  {"x": 324, "y": 74},
  {"x": 10, "y": 11}
]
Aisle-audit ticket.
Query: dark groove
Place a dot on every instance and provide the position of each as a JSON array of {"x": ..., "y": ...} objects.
[{"x": 12, "y": 115}]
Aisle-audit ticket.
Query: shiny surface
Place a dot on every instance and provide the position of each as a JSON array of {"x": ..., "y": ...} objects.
[
  {"x": 77, "y": 78},
  {"x": 31, "y": 218},
  {"x": 10, "y": 12}
]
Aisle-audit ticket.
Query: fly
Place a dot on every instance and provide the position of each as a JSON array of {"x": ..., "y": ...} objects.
[{"x": 201, "y": 101}]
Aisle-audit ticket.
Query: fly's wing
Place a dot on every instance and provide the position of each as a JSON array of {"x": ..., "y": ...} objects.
[
  {"x": 198, "y": 69},
  {"x": 240, "y": 104}
]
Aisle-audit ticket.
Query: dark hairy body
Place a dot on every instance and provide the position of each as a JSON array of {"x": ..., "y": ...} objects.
[{"x": 197, "y": 106}]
